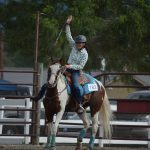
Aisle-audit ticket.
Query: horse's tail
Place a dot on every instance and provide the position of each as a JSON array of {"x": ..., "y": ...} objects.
[{"x": 106, "y": 116}]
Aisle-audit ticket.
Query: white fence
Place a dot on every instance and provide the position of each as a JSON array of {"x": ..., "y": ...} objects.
[
  {"x": 25, "y": 103},
  {"x": 13, "y": 103}
]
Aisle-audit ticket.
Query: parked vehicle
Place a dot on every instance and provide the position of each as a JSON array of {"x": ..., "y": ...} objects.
[
  {"x": 8, "y": 89},
  {"x": 145, "y": 94}
]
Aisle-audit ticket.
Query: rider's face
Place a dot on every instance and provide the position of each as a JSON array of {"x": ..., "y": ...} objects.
[{"x": 80, "y": 45}]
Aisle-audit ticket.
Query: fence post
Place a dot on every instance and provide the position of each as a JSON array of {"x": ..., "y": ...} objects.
[
  {"x": 1, "y": 117},
  {"x": 27, "y": 118},
  {"x": 36, "y": 106},
  {"x": 148, "y": 131},
  {"x": 38, "y": 111}
]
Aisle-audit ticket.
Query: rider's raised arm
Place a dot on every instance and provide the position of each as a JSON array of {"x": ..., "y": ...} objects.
[{"x": 68, "y": 31}]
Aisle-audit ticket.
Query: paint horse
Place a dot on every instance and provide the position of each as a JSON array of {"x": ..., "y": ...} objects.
[{"x": 57, "y": 100}]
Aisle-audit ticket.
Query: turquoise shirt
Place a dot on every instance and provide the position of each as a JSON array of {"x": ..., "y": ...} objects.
[{"x": 77, "y": 58}]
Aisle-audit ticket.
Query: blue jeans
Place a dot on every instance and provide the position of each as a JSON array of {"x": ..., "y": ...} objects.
[
  {"x": 76, "y": 87},
  {"x": 42, "y": 91}
]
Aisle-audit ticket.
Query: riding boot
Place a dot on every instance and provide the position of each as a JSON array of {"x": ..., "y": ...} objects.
[
  {"x": 40, "y": 94},
  {"x": 36, "y": 98}
]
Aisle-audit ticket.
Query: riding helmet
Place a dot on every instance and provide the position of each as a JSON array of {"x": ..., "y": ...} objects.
[{"x": 80, "y": 39}]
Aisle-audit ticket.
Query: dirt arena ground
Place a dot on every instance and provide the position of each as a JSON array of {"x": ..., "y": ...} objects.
[{"x": 36, "y": 147}]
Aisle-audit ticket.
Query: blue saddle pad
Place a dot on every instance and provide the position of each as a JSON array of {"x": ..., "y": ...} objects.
[{"x": 87, "y": 87}]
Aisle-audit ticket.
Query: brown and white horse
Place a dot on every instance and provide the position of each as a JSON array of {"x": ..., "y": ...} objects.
[{"x": 57, "y": 100}]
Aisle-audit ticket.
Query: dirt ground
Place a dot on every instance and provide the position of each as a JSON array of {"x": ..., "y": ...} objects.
[{"x": 37, "y": 147}]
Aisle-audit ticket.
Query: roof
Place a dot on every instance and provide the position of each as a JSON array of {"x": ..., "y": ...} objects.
[{"x": 143, "y": 79}]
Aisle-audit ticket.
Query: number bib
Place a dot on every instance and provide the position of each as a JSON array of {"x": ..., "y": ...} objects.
[{"x": 92, "y": 87}]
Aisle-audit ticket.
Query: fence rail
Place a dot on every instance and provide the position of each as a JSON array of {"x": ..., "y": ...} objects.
[{"x": 100, "y": 140}]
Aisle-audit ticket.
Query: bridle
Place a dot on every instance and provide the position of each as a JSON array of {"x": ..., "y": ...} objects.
[
  {"x": 57, "y": 76},
  {"x": 56, "y": 79}
]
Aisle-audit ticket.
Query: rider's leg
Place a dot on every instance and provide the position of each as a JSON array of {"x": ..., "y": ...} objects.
[
  {"x": 41, "y": 93},
  {"x": 77, "y": 88}
]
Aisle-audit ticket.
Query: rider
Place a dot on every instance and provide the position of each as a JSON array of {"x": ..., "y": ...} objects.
[{"x": 77, "y": 60}]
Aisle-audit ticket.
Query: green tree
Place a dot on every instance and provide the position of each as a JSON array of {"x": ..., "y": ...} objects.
[{"x": 118, "y": 31}]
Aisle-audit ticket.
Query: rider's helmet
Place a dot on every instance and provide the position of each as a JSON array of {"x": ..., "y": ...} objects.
[{"x": 80, "y": 39}]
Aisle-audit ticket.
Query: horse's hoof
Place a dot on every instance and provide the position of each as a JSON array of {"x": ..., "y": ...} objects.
[
  {"x": 52, "y": 148},
  {"x": 79, "y": 146},
  {"x": 89, "y": 148},
  {"x": 46, "y": 147}
]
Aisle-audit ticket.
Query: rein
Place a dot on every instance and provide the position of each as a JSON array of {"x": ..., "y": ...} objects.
[{"x": 59, "y": 93}]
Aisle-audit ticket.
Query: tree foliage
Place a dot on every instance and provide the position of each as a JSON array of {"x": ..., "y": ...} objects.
[{"x": 118, "y": 31}]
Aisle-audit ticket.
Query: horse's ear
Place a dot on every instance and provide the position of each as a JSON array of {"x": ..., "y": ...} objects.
[
  {"x": 50, "y": 60},
  {"x": 61, "y": 61}
]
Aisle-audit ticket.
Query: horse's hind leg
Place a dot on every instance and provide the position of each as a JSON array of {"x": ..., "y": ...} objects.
[
  {"x": 83, "y": 116},
  {"x": 94, "y": 131}
]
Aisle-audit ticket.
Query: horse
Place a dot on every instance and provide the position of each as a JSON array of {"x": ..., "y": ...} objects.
[{"x": 57, "y": 101}]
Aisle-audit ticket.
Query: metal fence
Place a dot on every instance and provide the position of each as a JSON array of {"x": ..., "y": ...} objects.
[
  {"x": 122, "y": 106},
  {"x": 35, "y": 107}
]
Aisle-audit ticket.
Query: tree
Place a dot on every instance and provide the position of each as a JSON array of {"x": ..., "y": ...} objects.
[{"x": 116, "y": 30}]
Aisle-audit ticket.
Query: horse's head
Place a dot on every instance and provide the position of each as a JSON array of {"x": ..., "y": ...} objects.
[{"x": 54, "y": 71}]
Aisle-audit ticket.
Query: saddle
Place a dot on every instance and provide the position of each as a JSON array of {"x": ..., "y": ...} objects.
[
  {"x": 82, "y": 79},
  {"x": 88, "y": 83}
]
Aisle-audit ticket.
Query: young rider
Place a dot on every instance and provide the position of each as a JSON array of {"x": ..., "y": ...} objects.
[{"x": 77, "y": 60}]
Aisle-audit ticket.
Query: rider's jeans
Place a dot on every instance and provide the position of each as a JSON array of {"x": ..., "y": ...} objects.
[
  {"x": 77, "y": 88},
  {"x": 42, "y": 91}
]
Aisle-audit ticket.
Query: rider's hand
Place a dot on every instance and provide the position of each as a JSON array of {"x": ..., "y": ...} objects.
[
  {"x": 67, "y": 66},
  {"x": 69, "y": 19}
]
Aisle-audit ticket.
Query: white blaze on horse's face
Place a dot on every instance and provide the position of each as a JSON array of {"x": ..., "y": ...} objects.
[{"x": 55, "y": 68}]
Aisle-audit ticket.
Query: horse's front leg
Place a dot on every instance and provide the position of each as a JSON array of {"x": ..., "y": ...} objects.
[
  {"x": 83, "y": 116},
  {"x": 49, "y": 138},
  {"x": 55, "y": 128}
]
